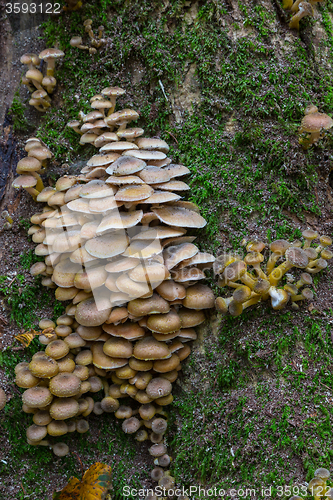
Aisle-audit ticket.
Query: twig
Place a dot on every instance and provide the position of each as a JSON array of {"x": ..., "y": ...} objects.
[
  {"x": 79, "y": 459},
  {"x": 325, "y": 386},
  {"x": 172, "y": 136},
  {"x": 23, "y": 489}
]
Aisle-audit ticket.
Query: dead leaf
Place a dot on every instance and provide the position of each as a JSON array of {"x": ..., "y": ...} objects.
[{"x": 95, "y": 485}]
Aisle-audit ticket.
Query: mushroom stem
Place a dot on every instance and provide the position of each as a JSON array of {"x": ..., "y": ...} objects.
[
  {"x": 39, "y": 186},
  {"x": 287, "y": 4},
  {"x": 105, "y": 387},
  {"x": 33, "y": 192},
  {"x": 305, "y": 9},
  {"x": 253, "y": 300},
  {"x": 277, "y": 273},
  {"x": 50, "y": 66},
  {"x": 316, "y": 266}
]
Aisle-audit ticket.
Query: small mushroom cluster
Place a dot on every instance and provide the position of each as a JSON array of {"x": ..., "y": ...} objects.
[
  {"x": 9, "y": 220},
  {"x": 30, "y": 167},
  {"x": 41, "y": 86},
  {"x": 313, "y": 126},
  {"x": 95, "y": 41},
  {"x": 115, "y": 245},
  {"x": 299, "y": 9},
  {"x": 106, "y": 129},
  {"x": 318, "y": 486},
  {"x": 252, "y": 284}
]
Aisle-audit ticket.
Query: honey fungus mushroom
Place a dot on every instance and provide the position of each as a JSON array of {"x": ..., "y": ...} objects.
[{"x": 313, "y": 125}]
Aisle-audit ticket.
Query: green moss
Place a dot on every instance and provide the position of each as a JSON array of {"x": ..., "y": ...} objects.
[{"x": 17, "y": 113}]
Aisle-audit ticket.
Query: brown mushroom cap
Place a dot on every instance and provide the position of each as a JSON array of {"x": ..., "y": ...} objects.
[
  {"x": 199, "y": 297},
  {"x": 152, "y": 305},
  {"x": 117, "y": 347},
  {"x": 44, "y": 366},
  {"x": 315, "y": 122},
  {"x": 164, "y": 323},
  {"x": 179, "y": 217},
  {"x": 297, "y": 257},
  {"x": 42, "y": 417},
  {"x": 87, "y": 313},
  {"x": 36, "y": 433},
  {"x": 60, "y": 449},
  {"x": 82, "y": 426},
  {"x": 127, "y": 330},
  {"x": 57, "y": 428},
  {"x": 64, "y": 408},
  {"x": 170, "y": 290},
  {"x": 190, "y": 318},
  {"x": 158, "y": 387},
  {"x": 65, "y": 385},
  {"x": 149, "y": 348},
  {"x": 37, "y": 397},
  {"x": 101, "y": 360},
  {"x": 56, "y": 349},
  {"x": 25, "y": 379}
]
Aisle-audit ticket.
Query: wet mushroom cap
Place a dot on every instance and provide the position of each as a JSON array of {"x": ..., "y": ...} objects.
[
  {"x": 315, "y": 122},
  {"x": 158, "y": 387},
  {"x": 65, "y": 385}
]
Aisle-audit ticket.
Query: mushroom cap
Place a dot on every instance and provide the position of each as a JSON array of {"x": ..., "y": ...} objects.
[
  {"x": 134, "y": 192},
  {"x": 253, "y": 258},
  {"x": 149, "y": 349},
  {"x": 118, "y": 220},
  {"x": 190, "y": 318},
  {"x": 179, "y": 217},
  {"x": 107, "y": 246},
  {"x": 309, "y": 234},
  {"x": 279, "y": 246},
  {"x": 56, "y": 349},
  {"x": 154, "y": 272},
  {"x": 297, "y": 257},
  {"x": 29, "y": 164},
  {"x": 199, "y": 297},
  {"x": 82, "y": 426},
  {"x": 36, "y": 433},
  {"x": 173, "y": 185},
  {"x": 60, "y": 449},
  {"x": 25, "y": 379},
  {"x": 64, "y": 408},
  {"x": 118, "y": 146},
  {"x": 325, "y": 240},
  {"x": 34, "y": 74},
  {"x": 130, "y": 133},
  {"x": 152, "y": 144},
  {"x": 109, "y": 404},
  {"x": 124, "y": 179},
  {"x": 99, "y": 160},
  {"x": 154, "y": 175},
  {"x": 57, "y": 428},
  {"x": 171, "y": 291},
  {"x": 89, "y": 333},
  {"x": 146, "y": 155},
  {"x": 152, "y": 305},
  {"x": 96, "y": 189},
  {"x": 315, "y": 122},
  {"x": 88, "y": 314},
  {"x": 42, "y": 417},
  {"x": 118, "y": 347},
  {"x": 51, "y": 53},
  {"x": 37, "y": 397},
  {"x": 157, "y": 450},
  {"x": 262, "y": 286},
  {"x": 159, "y": 197},
  {"x": 123, "y": 116},
  {"x": 113, "y": 91},
  {"x": 65, "y": 385},
  {"x": 234, "y": 270},
  {"x": 322, "y": 473},
  {"x": 167, "y": 365},
  {"x": 131, "y": 425},
  {"x": 24, "y": 181},
  {"x": 101, "y": 360},
  {"x": 125, "y": 165},
  {"x": 164, "y": 323},
  {"x": 173, "y": 255},
  {"x": 40, "y": 152},
  {"x": 143, "y": 249},
  {"x": 158, "y": 387},
  {"x": 127, "y": 330},
  {"x": 43, "y": 366}
]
